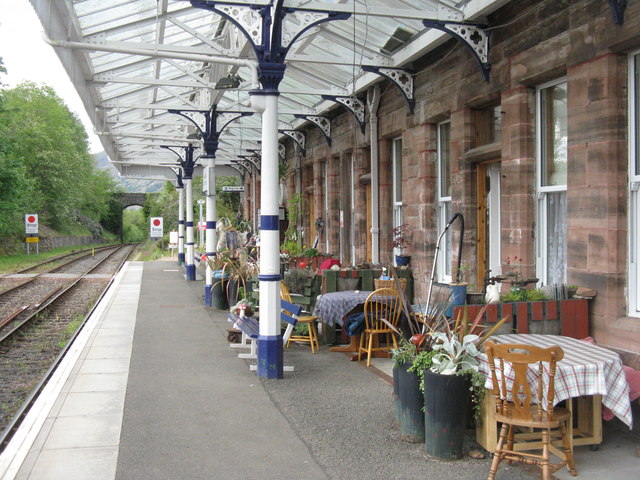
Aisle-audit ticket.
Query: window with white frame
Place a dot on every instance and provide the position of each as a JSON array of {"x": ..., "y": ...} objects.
[
  {"x": 396, "y": 194},
  {"x": 444, "y": 200},
  {"x": 551, "y": 145},
  {"x": 634, "y": 183}
]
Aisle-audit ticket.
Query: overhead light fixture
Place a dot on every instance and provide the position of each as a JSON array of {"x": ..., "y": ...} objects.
[
  {"x": 194, "y": 136},
  {"x": 230, "y": 81}
]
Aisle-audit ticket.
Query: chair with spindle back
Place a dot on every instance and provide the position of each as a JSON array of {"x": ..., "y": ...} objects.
[
  {"x": 311, "y": 337},
  {"x": 382, "y": 311},
  {"x": 518, "y": 406}
]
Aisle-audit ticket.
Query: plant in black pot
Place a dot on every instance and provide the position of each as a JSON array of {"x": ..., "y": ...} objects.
[
  {"x": 451, "y": 382},
  {"x": 407, "y": 397}
]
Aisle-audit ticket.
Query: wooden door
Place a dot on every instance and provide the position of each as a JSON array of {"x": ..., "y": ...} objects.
[{"x": 488, "y": 220}]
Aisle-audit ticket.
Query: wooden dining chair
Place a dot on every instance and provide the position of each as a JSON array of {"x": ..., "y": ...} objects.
[
  {"x": 382, "y": 311},
  {"x": 519, "y": 406},
  {"x": 311, "y": 337}
]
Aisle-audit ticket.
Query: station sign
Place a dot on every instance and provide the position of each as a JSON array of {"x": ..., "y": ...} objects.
[
  {"x": 173, "y": 237},
  {"x": 155, "y": 230},
  {"x": 232, "y": 188},
  {"x": 31, "y": 223}
]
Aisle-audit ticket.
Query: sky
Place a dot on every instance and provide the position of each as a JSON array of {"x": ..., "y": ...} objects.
[{"x": 27, "y": 57}]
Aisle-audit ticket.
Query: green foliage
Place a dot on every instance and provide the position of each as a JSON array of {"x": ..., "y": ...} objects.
[
  {"x": 310, "y": 252},
  {"x": 45, "y": 165},
  {"x": 421, "y": 362},
  {"x": 518, "y": 294},
  {"x": 228, "y": 203},
  {"x": 134, "y": 226},
  {"x": 405, "y": 353},
  {"x": 291, "y": 245},
  {"x": 477, "y": 392}
]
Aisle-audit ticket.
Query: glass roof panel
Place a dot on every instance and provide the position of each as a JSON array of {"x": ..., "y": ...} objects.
[{"x": 180, "y": 68}]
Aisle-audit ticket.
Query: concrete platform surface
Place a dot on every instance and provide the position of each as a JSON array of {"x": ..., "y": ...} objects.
[{"x": 151, "y": 390}]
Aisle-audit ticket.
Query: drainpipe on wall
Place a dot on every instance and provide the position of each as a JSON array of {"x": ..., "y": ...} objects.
[{"x": 373, "y": 102}]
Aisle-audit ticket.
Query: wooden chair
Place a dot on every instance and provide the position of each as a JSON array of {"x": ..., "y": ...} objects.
[
  {"x": 310, "y": 320},
  {"x": 520, "y": 407},
  {"x": 382, "y": 311}
]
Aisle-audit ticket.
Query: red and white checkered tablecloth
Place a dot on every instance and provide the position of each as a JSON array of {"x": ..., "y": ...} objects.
[{"x": 586, "y": 369}]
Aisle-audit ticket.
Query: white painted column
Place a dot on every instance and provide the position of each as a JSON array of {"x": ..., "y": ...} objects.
[
  {"x": 180, "y": 225},
  {"x": 270, "y": 363},
  {"x": 211, "y": 238},
  {"x": 190, "y": 265}
]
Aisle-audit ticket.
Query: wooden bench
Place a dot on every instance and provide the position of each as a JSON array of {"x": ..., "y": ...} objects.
[{"x": 250, "y": 328}]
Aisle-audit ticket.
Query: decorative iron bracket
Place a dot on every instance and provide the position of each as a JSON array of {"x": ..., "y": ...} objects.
[
  {"x": 297, "y": 137},
  {"x": 473, "y": 35},
  {"x": 617, "y": 10},
  {"x": 282, "y": 150},
  {"x": 271, "y": 30},
  {"x": 209, "y": 129},
  {"x": 187, "y": 162},
  {"x": 323, "y": 123},
  {"x": 402, "y": 78},
  {"x": 178, "y": 173},
  {"x": 250, "y": 159},
  {"x": 353, "y": 104}
]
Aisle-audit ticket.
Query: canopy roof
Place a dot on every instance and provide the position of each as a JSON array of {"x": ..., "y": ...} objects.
[{"x": 133, "y": 61}]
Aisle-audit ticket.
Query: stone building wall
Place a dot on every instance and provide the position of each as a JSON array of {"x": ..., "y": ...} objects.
[{"x": 532, "y": 42}]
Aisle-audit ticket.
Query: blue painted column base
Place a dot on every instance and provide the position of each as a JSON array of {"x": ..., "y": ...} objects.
[
  {"x": 270, "y": 357},
  {"x": 191, "y": 272},
  {"x": 207, "y": 295},
  {"x": 181, "y": 259}
]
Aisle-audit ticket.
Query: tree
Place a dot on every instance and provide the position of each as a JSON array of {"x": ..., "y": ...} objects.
[{"x": 45, "y": 165}]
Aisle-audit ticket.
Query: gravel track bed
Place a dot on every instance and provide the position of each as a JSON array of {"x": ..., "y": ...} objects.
[
  {"x": 85, "y": 264},
  {"x": 28, "y": 354},
  {"x": 30, "y": 293}
]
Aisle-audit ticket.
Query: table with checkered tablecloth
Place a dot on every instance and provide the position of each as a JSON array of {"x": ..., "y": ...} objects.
[
  {"x": 587, "y": 377},
  {"x": 332, "y": 307}
]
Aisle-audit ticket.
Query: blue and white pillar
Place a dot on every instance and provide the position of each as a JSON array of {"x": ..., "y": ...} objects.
[
  {"x": 270, "y": 354},
  {"x": 190, "y": 264},
  {"x": 211, "y": 237},
  {"x": 180, "y": 224}
]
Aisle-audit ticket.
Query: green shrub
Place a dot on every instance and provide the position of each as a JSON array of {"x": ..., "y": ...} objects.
[{"x": 517, "y": 294}]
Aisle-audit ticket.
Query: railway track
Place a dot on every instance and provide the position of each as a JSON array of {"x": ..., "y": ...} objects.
[{"x": 40, "y": 319}]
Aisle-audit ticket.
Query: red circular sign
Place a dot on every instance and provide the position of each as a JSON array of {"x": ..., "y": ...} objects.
[
  {"x": 31, "y": 218},
  {"x": 156, "y": 222}
]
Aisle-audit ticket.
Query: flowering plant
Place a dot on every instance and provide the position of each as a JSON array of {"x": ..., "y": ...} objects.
[
  {"x": 517, "y": 280},
  {"x": 399, "y": 241}
]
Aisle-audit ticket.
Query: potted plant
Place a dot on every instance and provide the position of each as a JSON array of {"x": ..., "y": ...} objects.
[
  {"x": 231, "y": 271},
  {"x": 400, "y": 243},
  {"x": 408, "y": 399},
  {"x": 450, "y": 380}
]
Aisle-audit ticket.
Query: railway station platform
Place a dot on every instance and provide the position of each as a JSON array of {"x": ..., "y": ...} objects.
[{"x": 151, "y": 390}]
